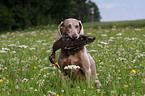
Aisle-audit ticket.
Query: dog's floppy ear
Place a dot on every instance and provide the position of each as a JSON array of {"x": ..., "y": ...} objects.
[
  {"x": 59, "y": 33},
  {"x": 81, "y": 28}
]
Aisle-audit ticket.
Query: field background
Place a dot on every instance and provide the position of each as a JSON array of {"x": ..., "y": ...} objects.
[{"x": 119, "y": 53}]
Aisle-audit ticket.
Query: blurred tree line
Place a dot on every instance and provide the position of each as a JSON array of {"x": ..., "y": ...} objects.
[{"x": 22, "y": 14}]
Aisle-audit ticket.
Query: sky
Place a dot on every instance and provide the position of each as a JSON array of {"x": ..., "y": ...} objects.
[{"x": 121, "y": 10}]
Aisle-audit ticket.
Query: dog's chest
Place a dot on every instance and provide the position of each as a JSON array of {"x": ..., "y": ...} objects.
[
  {"x": 74, "y": 59},
  {"x": 71, "y": 60},
  {"x": 67, "y": 58}
]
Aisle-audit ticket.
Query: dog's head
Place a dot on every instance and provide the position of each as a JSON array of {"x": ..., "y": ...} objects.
[{"x": 70, "y": 27}]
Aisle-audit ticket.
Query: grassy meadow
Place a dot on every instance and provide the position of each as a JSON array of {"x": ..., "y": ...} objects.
[
  {"x": 121, "y": 24},
  {"x": 119, "y": 53}
]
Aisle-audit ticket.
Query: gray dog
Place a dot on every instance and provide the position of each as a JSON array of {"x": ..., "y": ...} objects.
[{"x": 74, "y": 28}]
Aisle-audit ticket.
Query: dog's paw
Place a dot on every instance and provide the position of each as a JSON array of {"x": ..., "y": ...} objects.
[{"x": 97, "y": 84}]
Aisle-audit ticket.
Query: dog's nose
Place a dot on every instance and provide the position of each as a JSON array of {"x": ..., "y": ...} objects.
[{"x": 74, "y": 36}]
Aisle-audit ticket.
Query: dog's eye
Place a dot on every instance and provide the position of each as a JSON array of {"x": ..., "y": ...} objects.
[
  {"x": 69, "y": 26},
  {"x": 76, "y": 26}
]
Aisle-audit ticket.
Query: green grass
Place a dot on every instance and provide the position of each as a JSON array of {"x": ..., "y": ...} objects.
[
  {"x": 116, "y": 51},
  {"x": 133, "y": 23}
]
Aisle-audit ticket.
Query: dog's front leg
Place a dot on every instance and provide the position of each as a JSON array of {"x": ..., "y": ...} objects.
[{"x": 86, "y": 66}]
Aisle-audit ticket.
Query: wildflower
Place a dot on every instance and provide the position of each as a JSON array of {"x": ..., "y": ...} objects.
[
  {"x": 32, "y": 39},
  {"x": 99, "y": 60},
  {"x": 35, "y": 67},
  {"x": 57, "y": 95},
  {"x": 28, "y": 65},
  {"x": 125, "y": 85},
  {"x": 133, "y": 71},
  {"x": 53, "y": 40},
  {"x": 31, "y": 88},
  {"x": 12, "y": 45},
  {"x": 25, "y": 79},
  {"x": 0, "y": 68},
  {"x": 62, "y": 90},
  {"x": 44, "y": 76},
  {"x": 17, "y": 87},
  {"x": 2, "y": 51},
  {"x": 119, "y": 34},
  {"x": 1, "y": 80},
  {"x": 103, "y": 35},
  {"x": 71, "y": 67},
  {"x": 23, "y": 46},
  {"x": 104, "y": 43},
  {"x": 124, "y": 64},
  {"x": 27, "y": 69},
  {"x": 32, "y": 48},
  {"x": 48, "y": 51},
  {"x": 7, "y": 49},
  {"x": 7, "y": 82},
  {"x": 4, "y": 77},
  {"x": 13, "y": 51},
  {"x": 98, "y": 90}
]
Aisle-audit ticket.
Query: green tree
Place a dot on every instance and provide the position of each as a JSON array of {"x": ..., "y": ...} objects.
[
  {"x": 82, "y": 7},
  {"x": 97, "y": 15},
  {"x": 6, "y": 18},
  {"x": 81, "y": 12},
  {"x": 26, "y": 13}
]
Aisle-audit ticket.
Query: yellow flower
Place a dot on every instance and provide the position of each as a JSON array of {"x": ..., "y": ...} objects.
[
  {"x": 125, "y": 85},
  {"x": 32, "y": 39},
  {"x": 4, "y": 77},
  {"x": 35, "y": 67},
  {"x": 133, "y": 71},
  {"x": 1, "y": 80},
  {"x": 0, "y": 68},
  {"x": 99, "y": 60},
  {"x": 57, "y": 95},
  {"x": 124, "y": 64},
  {"x": 7, "y": 82},
  {"x": 53, "y": 40}
]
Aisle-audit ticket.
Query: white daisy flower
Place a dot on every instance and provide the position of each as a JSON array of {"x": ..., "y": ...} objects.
[{"x": 71, "y": 67}]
